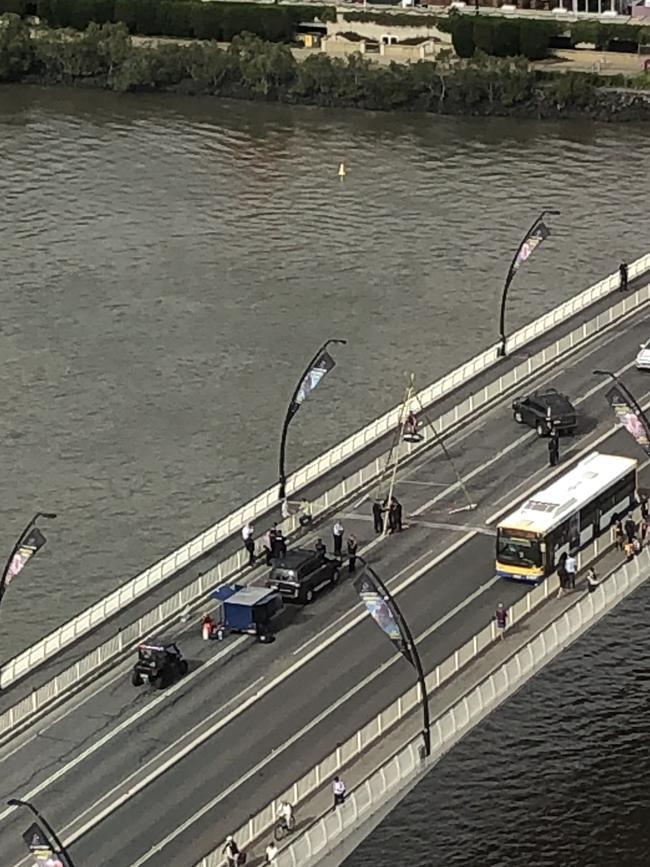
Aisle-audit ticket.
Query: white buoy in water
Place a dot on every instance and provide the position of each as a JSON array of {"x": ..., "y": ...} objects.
[{"x": 342, "y": 172}]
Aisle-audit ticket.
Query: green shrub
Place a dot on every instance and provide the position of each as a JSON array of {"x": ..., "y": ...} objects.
[
  {"x": 506, "y": 37},
  {"x": 462, "y": 36},
  {"x": 483, "y": 33},
  {"x": 534, "y": 38}
]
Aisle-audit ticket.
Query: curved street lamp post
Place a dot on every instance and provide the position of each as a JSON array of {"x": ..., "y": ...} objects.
[
  {"x": 512, "y": 270},
  {"x": 295, "y": 402},
  {"x": 21, "y": 540},
  {"x": 54, "y": 837},
  {"x": 406, "y": 644},
  {"x": 626, "y": 391}
]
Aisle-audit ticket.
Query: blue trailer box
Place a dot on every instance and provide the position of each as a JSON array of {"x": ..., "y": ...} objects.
[{"x": 246, "y": 609}]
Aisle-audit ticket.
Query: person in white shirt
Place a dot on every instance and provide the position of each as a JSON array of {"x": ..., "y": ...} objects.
[
  {"x": 337, "y": 532},
  {"x": 272, "y": 855},
  {"x": 571, "y": 567},
  {"x": 247, "y": 534},
  {"x": 285, "y": 812},
  {"x": 338, "y": 787}
]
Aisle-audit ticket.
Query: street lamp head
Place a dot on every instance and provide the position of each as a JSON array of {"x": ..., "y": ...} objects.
[
  {"x": 604, "y": 373},
  {"x": 15, "y": 802},
  {"x": 50, "y": 515},
  {"x": 554, "y": 212},
  {"x": 337, "y": 340}
]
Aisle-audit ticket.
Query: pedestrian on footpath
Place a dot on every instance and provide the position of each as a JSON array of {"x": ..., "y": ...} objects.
[
  {"x": 628, "y": 550},
  {"x": 247, "y": 535},
  {"x": 571, "y": 566},
  {"x": 643, "y": 503},
  {"x": 337, "y": 532},
  {"x": 272, "y": 854},
  {"x": 630, "y": 528},
  {"x": 592, "y": 579},
  {"x": 305, "y": 518},
  {"x": 338, "y": 787},
  {"x": 267, "y": 544},
  {"x": 501, "y": 617},
  {"x": 378, "y": 516},
  {"x": 352, "y": 552},
  {"x": 619, "y": 535},
  {"x": 553, "y": 448},
  {"x": 622, "y": 270},
  {"x": 231, "y": 850},
  {"x": 562, "y": 575}
]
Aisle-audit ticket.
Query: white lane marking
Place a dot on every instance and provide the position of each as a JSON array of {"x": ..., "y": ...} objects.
[
  {"x": 459, "y": 528},
  {"x": 430, "y": 564},
  {"x": 179, "y": 754},
  {"x": 129, "y": 721},
  {"x": 561, "y": 469},
  {"x": 306, "y": 729},
  {"x": 399, "y": 481},
  {"x": 551, "y": 375}
]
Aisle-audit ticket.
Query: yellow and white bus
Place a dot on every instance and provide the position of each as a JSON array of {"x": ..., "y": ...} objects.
[{"x": 566, "y": 516}]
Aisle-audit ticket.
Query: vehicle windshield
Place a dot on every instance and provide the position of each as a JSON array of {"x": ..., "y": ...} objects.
[{"x": 517, "y": 550}]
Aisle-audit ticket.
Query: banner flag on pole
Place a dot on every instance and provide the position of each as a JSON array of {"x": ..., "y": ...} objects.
[
  {"x": 381, "y": 610},
  {"x": 40, "y": 847},
  {"x": 538, "y": 233},
  {"x": 628, "y": 416},
  {"x": 32, "y": 542},
  {"x": 313, "y": 377}
]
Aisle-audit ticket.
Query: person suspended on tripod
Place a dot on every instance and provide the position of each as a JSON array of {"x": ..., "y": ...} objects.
[{"x": 411, "y": 428}]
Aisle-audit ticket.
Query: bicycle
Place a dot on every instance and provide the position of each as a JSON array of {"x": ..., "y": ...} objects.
[{"x": 283, "y": 828}]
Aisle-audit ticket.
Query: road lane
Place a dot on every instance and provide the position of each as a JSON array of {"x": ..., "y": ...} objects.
[{"x": 166, "y": 721}]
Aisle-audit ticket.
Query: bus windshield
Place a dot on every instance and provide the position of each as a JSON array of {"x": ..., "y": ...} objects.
[{"x": 517, "y": 550}]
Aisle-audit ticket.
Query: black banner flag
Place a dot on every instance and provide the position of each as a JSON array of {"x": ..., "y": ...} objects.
[
  {"x": 382, "y": 611},
  {"x": 629, "y": 417}
]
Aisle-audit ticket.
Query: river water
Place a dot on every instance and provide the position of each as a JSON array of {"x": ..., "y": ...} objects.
[
  {"x": 556, "y": 777},
  {"x": 168, "y": 266}
]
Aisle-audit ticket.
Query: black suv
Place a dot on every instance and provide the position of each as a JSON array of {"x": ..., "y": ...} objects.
[
  {"x": 544, "y": 410},
  {"x": 159, "y": 663},
  {"x": 300, "y": 574}
]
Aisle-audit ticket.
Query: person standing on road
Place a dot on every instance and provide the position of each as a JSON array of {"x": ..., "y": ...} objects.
[
  {"x": 267, "y": 544},
  {"x": 571, "y": 566},
  {"x": 398, "y": 514},
  {"x": 378, "y": 516},
  {"x": 272, "y": 854},
  {"x": 622, "y": 270},
  {"x": 247, "y": 534},
  {"x": 352, "y": 552},
  {"x": 337, "y": 532},
  {"x": 553, "y": 448},
  {"x": 501, "y": 617},
  {"x": 392, "y": 515},
  {"x": 643, "y": 503},
  {"x": 338, "y": 788},
  {"x": 320, "y": 548},
  {"x": 562, "y": 575}
]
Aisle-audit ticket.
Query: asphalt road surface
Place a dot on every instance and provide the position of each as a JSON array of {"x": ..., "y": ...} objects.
[{"x": 135, "y": 777}]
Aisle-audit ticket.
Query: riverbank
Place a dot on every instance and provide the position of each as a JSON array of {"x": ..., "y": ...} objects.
[{"x": 249, "y": 68}]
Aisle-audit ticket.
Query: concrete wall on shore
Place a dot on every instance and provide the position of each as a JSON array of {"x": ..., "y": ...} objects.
[
  {"x": 330, "y": 839},
  {"x": 370, "y": 30}
]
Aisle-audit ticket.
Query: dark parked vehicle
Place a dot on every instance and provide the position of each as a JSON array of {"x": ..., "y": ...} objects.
[
  {"x": 544, "y": 410},
  {"x": 160, "y": 663},
  {"x": 300, "y": 574}
]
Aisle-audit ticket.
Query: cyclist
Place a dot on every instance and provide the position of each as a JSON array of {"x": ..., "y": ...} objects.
[{"x": 285, "y": 815}]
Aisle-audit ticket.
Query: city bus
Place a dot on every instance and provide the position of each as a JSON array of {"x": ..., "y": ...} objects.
[{"x": 566, "y": 516}]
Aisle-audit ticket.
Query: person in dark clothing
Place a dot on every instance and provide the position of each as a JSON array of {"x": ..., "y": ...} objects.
[
  {"x": 352, "y": 552},
  {"x": 630, "y": 529},
  {"x": 398, "y": 514},
  {"x": 623, "y": 272},
  {"x": 378, "y": 516},
  {"x": 645, "y": 511},
  {"x": 392, "y": 516},
  {"x": 320, "y": 547},
  {"x": 619, "y": 535},
  {"x": 553, "y": 448},
  {"x": 279, "y": 544}
]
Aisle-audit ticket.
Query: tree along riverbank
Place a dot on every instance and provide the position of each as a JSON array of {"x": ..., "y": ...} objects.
[{"x": 249, "y": 68}]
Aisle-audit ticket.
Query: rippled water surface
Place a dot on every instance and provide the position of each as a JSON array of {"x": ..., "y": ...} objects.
[
  {"x": 168, "y": 265},
  {"x": 557, "y": 777}
]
